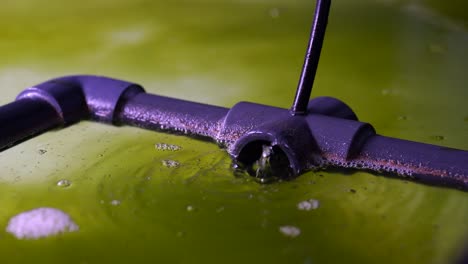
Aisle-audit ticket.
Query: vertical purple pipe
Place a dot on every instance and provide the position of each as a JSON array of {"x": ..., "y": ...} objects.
[{"x": 314, "y": 47}]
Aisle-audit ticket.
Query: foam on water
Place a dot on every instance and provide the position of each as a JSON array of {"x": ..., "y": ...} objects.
[
  {"x": 308, "y": 205},
  {"x": 115, "y": 202},
  {"x": 40, "y": 222},
  {"x": 390, "y": 166},
  {"x": 167, "y": 147},
  {"x": 170, "y": 163},
  {"x": 290, "y": 231}
]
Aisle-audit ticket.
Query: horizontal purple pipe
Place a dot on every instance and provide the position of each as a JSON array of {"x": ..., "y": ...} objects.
[
  {"x": 163, "y": 113},
  {"x": 329, "y": 135}
]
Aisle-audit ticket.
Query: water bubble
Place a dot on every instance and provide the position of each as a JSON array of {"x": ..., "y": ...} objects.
[
  {"x": 41, "y": 151},
  {"x": 190, "y": 208},
  {"x": 402, "y": 117},
  {"x": 290, "y": 231},
  {"x": 308, "y": 205},
  {"x": 63, "y": 183},
  {"x": 167, "y": 147},
  {"x": 115, "y": 202},
  {"x": 170, "y": 163}
]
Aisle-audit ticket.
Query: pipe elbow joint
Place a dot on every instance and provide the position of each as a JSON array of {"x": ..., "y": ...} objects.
[{"x": 78, "y": 97}]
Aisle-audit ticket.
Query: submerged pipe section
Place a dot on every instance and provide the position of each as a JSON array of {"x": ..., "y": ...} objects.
[{"x": 329, "y": 135}]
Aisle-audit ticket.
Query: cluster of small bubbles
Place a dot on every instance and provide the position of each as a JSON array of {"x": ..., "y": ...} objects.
[
  {"x": 41, "y": 151},
  {"x": 380, "y": 167},
  {"x": 290, "y": 231},
  {"x": 115, "y": 202},
  {"x": 40, "y": 222},
  {"x": 170, "y": 163},
  {"x": 64, "y": 183},
  {"x": 308, "y": 205},
  {"x": 167, "y": 147}
]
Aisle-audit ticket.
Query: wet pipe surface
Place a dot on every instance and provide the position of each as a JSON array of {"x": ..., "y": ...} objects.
[
  {"x": 285, "y": 143},
  {"x": 134, "y": 200}
]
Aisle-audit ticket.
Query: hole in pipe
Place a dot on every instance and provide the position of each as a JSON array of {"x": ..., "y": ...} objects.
[{"x": 264, "y": 161}]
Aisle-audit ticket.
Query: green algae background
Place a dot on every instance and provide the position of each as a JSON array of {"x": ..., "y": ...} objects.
[{"x": 401, "y": 65}]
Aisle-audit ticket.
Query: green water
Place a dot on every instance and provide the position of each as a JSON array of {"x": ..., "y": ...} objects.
[{"x": 401, "y": 65}]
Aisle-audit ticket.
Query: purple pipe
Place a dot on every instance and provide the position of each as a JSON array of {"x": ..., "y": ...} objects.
[
  {"x": 163, "y": 113},
  {"x": 329, "y": 135},
  {"x": 266, "y": 141}
]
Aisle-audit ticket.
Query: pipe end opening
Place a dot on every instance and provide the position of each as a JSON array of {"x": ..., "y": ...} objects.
[{"x": 264, "y": 161}]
